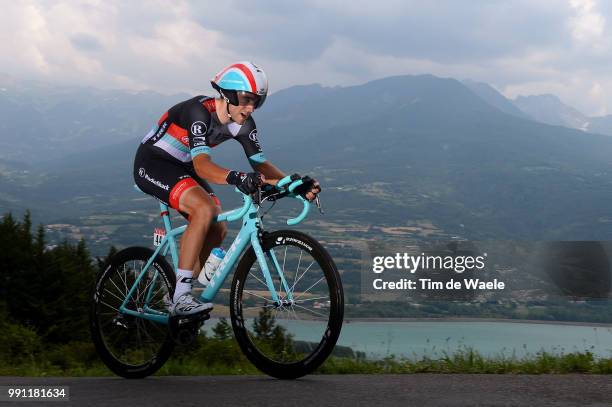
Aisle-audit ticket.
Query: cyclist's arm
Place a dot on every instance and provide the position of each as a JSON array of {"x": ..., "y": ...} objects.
[
  {"x": 247, "y": 137},
  {"x": 208, "y": 170},
  {"x": 197, "y": 120},
  {"x": 269, "y": 170}
]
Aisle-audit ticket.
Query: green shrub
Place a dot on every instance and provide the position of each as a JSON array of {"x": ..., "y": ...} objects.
[{"x": 18, "y": 344}]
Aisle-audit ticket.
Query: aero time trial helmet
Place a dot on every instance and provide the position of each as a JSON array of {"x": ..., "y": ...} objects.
[{"x": 243, "y": 76}]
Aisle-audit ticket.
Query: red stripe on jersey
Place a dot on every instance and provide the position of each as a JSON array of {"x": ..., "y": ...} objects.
[
  {"x": 178, "y": 133},
  {"x": 180, "y": 187},
  {"x": 209, "y": 104},
  {"x": 163, "y": 118}
]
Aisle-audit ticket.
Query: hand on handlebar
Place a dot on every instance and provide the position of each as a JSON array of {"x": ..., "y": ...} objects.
[
  {"x": 247, "y": 183},
  {"x": 309, "y": 189}
]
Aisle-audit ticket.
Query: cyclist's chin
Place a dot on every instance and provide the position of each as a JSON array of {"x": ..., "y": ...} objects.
[{"x": 240, "y": 118}]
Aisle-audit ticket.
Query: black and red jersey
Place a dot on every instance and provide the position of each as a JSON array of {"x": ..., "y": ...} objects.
[{"x": 192, "y": 127}]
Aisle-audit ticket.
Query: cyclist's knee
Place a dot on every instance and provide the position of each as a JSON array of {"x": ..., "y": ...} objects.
[
  {"x": 202, "y": 213},
  {"x": 198, "y": 205}
]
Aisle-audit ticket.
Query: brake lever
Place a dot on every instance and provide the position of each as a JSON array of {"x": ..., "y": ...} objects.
[{"x": 318, "y": 203}]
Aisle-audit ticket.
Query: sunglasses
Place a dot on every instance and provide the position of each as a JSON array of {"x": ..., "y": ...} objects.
[{"x": 248, "y": 99}]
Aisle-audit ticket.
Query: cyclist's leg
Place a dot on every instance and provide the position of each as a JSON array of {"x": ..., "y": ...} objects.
[
  {"x": 214, "y": 238},
  {"x": 171, "y": 183},
  {"x": 201, "y": 209},
  {"x": 216, "y": 232},
  {"x": 189, "y": 198}
]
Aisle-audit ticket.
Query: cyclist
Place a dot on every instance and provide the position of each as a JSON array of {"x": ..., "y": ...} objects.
[{"x": 173, "y": 163}]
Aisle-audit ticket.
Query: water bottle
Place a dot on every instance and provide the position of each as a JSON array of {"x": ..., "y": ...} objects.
[{"x": 210, "y": 267}]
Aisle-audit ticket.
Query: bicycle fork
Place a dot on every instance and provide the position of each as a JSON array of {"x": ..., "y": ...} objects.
[{"x": 263, "y": 264}]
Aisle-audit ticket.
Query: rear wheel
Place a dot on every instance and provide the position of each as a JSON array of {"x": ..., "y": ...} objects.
[
  {"x": 289, "y": 338},
  {"x": 130, "y": 346}
]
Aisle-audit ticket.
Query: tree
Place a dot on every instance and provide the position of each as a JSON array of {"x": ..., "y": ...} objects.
[
  {"x": 276, "y": 336},
  {"x": 46, "y": 290},
  {"x": 264, "y": 324},
  {"x": 222, "y": 330},
  {"x": 102, "y": 262}
]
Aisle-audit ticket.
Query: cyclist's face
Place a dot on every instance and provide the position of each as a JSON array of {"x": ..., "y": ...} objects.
[
  {"x": 248, "y": 99},
  {"x": 246, "y": 105}
]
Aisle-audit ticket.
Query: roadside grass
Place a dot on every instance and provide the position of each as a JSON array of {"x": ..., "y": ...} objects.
[{"x": 223, "y": 357}]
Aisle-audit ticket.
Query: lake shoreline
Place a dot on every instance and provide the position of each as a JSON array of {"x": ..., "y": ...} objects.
[{"x": 461, "y": 319}]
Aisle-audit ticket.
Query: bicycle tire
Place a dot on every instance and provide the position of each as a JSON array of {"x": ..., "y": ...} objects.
[
  {"x": 116, "y": 365},
  {"x": 308, "y": 363}
]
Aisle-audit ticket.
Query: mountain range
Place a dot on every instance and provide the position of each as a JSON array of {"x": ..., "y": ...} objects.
[{"x": 406, "y": 157}]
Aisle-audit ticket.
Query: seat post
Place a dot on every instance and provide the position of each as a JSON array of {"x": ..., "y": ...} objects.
[{"x": 165, "y": 214}]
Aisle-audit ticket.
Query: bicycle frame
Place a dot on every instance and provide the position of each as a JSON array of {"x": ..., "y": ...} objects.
[{"x": 249, "y": 233}]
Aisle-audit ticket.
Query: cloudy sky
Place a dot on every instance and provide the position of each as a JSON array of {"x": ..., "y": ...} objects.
[{"x": 523, "y": 47}]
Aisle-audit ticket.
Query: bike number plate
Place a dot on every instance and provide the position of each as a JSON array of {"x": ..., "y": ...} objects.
[{"x": 158, "y": 236}]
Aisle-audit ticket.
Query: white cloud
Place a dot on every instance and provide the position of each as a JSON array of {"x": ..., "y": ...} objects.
[
  {"x": 523, "y": 46},
  {"x": 587, "y": 25}
]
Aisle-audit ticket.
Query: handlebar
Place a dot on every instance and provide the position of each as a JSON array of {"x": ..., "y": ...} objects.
[
  {"x": 302, "y": 215},
  {"x": 238, "y": 213},
  {"x": 292, "y": 186}
]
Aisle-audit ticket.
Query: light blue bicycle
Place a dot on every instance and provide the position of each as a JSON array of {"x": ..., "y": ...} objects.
[{"x": 286, "y": 277}]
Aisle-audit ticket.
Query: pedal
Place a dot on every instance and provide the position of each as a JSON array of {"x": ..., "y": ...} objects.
[{"x": 185, "y": 329}]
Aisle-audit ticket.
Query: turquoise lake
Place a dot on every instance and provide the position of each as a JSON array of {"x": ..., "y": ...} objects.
[{"x": 432, "y": 338}]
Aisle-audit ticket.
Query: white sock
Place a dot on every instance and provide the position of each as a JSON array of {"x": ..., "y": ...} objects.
[{"x": 183, "y": 283}]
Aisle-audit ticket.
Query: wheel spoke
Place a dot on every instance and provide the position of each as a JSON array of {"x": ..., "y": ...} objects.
[
  {"x": 117, "y": 297},
  {"x": 297, "y": 270},
  {"x": 298, "y": 280},
  {"x": 157, "y": 292},
  {"x": 144, "y": 299},
  {"x": 256, "y": 295},
  {"x": 118, "y": 289},
  {"x": 256, "y": 278},
  {"x": 124, "y": 278},
  {"x": 258, "y": 307},
  {"x": 310, "y": 299},
  {"x": 280, "y": 288},
  {"x": 109, "y": 306},
  {"x": 304, "y": 292},
  {"x": 311, "y": 311}
]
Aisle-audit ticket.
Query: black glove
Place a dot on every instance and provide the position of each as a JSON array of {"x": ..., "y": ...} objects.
[
  {"x": 247, "y": 183},
  {"x": 308, "y": 185}
]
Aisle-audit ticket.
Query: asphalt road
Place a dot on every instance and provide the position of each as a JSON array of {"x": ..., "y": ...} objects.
[{"x": 333, "y": 390}]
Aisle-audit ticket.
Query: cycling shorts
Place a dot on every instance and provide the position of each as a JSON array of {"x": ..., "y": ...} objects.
[{"x": 158, "y": 174}]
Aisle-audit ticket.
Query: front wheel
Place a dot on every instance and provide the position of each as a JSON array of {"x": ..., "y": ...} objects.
[{"x": 291, "y": 337}]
